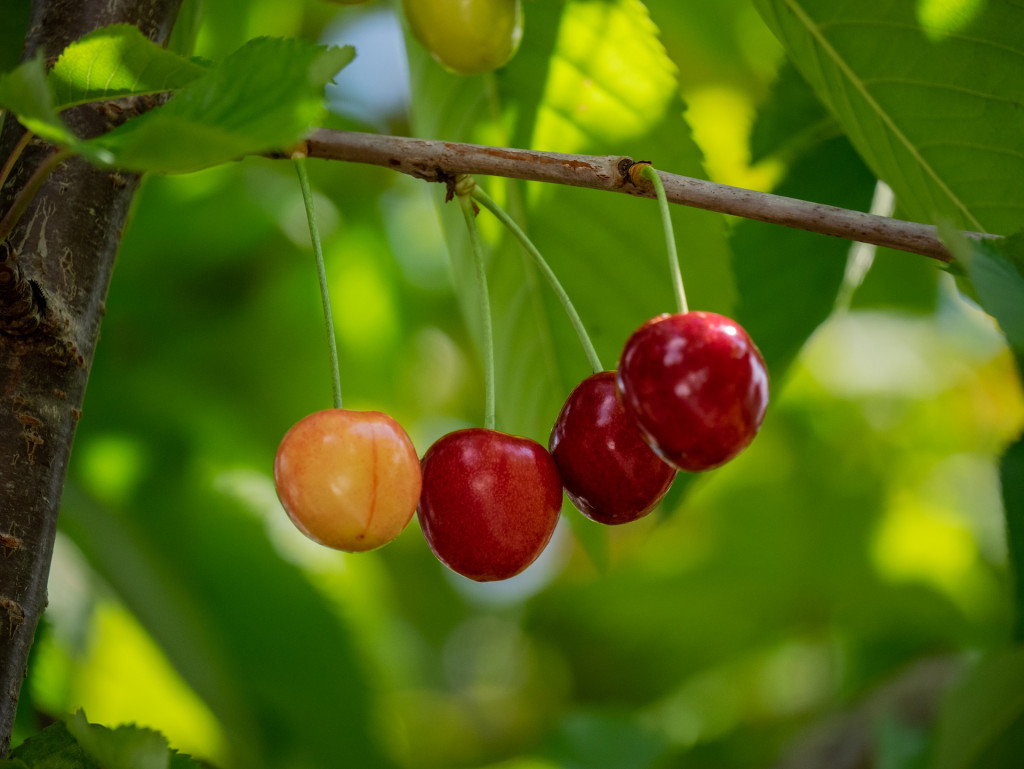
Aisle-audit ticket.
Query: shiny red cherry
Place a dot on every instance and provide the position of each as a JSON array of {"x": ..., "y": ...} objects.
[
  {"x": 490, "y": 502},
  {"x": 696, "y": 386},
  {"x": 609, "y": 472}
]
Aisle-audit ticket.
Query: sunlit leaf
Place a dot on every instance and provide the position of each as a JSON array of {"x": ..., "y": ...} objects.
[
  {"x": 265, "y": 96},
  {"x": 125, "y": 747},
  {"x": 117, "y": 61},
  {"x": 935, "y": 111},
  {"x": 26, "y": 93},
  {"x": 239, "y": 624},
  {"x": 607, "y": 249}
]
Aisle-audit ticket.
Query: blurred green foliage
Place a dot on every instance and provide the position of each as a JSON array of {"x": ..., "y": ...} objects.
[{"x": 859, "y": 537}]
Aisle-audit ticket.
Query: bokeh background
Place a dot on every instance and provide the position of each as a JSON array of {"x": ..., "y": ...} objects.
[{"x": 826, "y": 585}]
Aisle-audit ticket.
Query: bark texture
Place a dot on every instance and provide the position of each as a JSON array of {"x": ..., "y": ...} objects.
[{"x": 54, "y": 273}]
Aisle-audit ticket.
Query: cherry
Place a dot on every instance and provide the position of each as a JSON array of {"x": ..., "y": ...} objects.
[
  {"x": 609, "y": 472},
  {"x": 467, "y": 36},
  {"x": 348, "y": 479},
  {"x": 696, "y": 386},
  {"x": 490, "y": 502}
]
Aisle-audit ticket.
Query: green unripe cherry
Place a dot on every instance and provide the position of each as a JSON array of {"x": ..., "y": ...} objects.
[{"x": 467, "y": 36}]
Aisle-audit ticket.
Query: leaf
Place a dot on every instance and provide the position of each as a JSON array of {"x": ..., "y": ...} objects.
[
  {"x": 792, "y": 120},
  {"x": 245, "y": 629},
  {"x": 1011, "y": 476},
  {"x": 26, "y": 93},
  {"x": 77, "y": 744},
  {"x": 606, "y": 740},
  {"x": 935, "y": 112},
  {"x": 576, "y": 89},
  {"x": 788, "y": 279},
  {"x": 12, "y": 31},
  {"x": 982, "y": 722},
  {"x": 996, "y": 278},
  {"x": 126, "y": 747},
  {"x": 117, "y": 61},
  {"x": 264, "y": 96},
  {"x": 52, "y": 748}
]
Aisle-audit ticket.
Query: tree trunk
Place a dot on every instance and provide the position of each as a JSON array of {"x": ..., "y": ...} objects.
[{"x": 54, "y": 273}]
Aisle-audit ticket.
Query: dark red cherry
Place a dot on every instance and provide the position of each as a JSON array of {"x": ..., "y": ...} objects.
[
  {"x": 696, "y": 386},
  {"x": 609, "y": 472},
  {"x": 490, "y": 502}
]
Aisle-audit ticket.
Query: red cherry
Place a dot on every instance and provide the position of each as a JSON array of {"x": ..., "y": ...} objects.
[
  {"x": 348, "y": 479},
  {"x": 609, "y": 472},
  {"x": 696, "y": 386},
  {"x": 490, "y": 502}
]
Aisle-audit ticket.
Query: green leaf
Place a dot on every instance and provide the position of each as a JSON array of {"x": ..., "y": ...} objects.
[
  {"x": 606, "y": 740},
  {"x": 1011, "y": 476},
  {"x": 788, "y": 279},
  {"x": 12, "y": 31},
  {"x": 236, "y": 623},
  {"x": 25, "y": 92},
  {"x": 982, "y": 722},
  {"x": 126, "y": 747},
  {"x": 792, "y": 120},
  {"x": 934, "y": 109},
  {"x": 994, "y": 270},
  {"x": 117, "y": 61},
  {"x": 574, "y": 90},
  {"x": 52, "y": 748},
  {"x": 77, "y": 744},
  {"x": 265, "y": 96}
]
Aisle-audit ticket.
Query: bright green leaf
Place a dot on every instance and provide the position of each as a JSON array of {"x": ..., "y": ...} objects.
[
  {"x": 265, "y": 96},
  {"x": 576, "y": 90},
  {"x": 117, "y": 61},
  {"x": 25, "y": 91},
  {"x": 936, "y": 113},
  {"x": 235, "y": 623},
  {"x": 126, "y": 747}
]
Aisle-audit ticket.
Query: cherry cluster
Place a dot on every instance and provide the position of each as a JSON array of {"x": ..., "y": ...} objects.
[{"x": 690, "y": 394}]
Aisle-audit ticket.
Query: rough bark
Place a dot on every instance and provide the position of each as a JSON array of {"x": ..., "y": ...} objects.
[{"x": 54, "y": 273}]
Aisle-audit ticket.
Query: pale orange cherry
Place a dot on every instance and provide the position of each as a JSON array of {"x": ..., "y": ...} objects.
[{"x": 349, "y": 480}]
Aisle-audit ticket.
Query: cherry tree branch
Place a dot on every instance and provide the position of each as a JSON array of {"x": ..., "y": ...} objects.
[{"x": 441, "y": 161}]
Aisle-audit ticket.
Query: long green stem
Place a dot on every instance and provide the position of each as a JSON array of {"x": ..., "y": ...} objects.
[
  {"x": 556, "y": 286},
  {"x": 40, "y": 175},
  {"x": 651, "y": 175},
  {"x": 321, "y": 273},
  {"x": 485, "y": 310}
]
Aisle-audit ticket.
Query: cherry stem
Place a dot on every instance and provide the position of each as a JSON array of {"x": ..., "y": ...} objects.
[
  {"x": 321, "y": 273},
  {"x": 556, "y": 286},
  {"x": 21, "y": 203},
  {"x": 651, "y": 175},
  {"x": 466, "y": 202}
]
